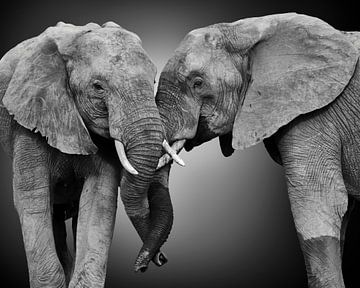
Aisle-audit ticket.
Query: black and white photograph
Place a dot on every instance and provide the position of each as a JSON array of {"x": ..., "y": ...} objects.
[{"x": 179, "y": 144}]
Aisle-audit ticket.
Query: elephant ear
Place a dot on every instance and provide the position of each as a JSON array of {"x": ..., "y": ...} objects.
[
  {"x": 34, "y": 88},
  {"x": 298, "y": 64}
]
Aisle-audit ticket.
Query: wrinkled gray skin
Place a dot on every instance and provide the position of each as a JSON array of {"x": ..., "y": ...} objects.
[
  {"x": 65, "y": 96},
  {"x": 293, "y": 81}
]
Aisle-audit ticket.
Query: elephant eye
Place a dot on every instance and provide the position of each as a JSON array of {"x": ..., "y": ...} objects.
[
  {"x": 98, "y": 87},
  {"x": 198, "y": 83}
]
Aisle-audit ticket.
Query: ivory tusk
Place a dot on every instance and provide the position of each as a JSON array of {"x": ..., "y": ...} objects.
[
  {"x": 172, "y": 153},
  {"x": 165, "y": 159},
  {"x": 123, "y": 159}
]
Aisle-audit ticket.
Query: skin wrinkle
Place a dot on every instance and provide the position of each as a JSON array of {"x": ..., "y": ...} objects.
[
  {"x": 323, "y": 270},
  {"x": 165, "y": 104},
  {"x": 50, "y": 271}
]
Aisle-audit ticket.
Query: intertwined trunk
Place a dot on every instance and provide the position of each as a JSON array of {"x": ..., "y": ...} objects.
[{"x": 141, "y": 133}]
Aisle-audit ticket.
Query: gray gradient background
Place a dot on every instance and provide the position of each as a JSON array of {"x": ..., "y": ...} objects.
[{"x": 233, "y": 225}]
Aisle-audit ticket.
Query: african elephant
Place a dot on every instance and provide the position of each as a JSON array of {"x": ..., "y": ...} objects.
[
  {"x": 66, "y": 96},
  {"x": 293, "y": 81}
]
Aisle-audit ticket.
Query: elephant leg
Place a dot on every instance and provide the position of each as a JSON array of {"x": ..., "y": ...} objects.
[
  {"x": 318, "y": 224},
  {"x": 62, "y": 250},
  {"x": 95, "y": 226},
  {"x": 31, "y": 187},
  {"x": 318, "y": 201}
]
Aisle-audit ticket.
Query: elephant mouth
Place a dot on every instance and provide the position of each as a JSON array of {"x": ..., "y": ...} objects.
[
  {"x": 175, "y": 149},
  {"x": 171, "y": 152},
  {"x": 176, "y": 146},
  {"x": 189, "y": 145},
  {"x": 203, "y": 134}
]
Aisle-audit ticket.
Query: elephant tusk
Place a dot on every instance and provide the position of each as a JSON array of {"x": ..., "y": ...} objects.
[
  {"x": 165, "y": 159},
  {"x": 123, "y": 159},
  {"x": 172, "y": 153}
]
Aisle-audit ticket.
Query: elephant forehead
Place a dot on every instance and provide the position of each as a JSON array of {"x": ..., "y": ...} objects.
[
  {"x": 186, "y": 61},
  {"x": 203, "y": 60},
  {"x": 209, "y": 36},
  {"x": 199, "y": 47},
  {"x": 194, "y": 61},
  {"x": 102, "y": 52},
  {"x": 135, "y": 62},
  {"x": 119, "y": 71},
  {"x": 106, "y": 41}
]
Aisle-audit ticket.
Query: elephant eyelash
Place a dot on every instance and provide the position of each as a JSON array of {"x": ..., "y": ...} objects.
[
  {"x": 98, "y": 87},
  {"x": 198, "y": 84}
]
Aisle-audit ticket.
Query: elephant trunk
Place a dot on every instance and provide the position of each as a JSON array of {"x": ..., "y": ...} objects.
[
  {"x": 142, "y": 137},
  {"x": 169, "y": 112},
  {"x": 168, "y": 101},
  {"x": 149, "y": 213}
]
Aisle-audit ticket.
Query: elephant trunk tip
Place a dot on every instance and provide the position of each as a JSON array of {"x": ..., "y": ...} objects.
[
  {"x": 160, "y": 259},
  {"x": 142, "y": 261},
  {"x": 142, "y": 269}
]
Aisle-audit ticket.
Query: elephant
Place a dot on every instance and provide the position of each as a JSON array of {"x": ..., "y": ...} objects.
[
  {"x": 293, "y": 82},
  {"x": 78, "y": 119}
]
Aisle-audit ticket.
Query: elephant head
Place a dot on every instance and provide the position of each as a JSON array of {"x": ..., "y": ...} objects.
[
  {"x": 71, "y": 82},
  {"x": 243, "y": 81}
]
